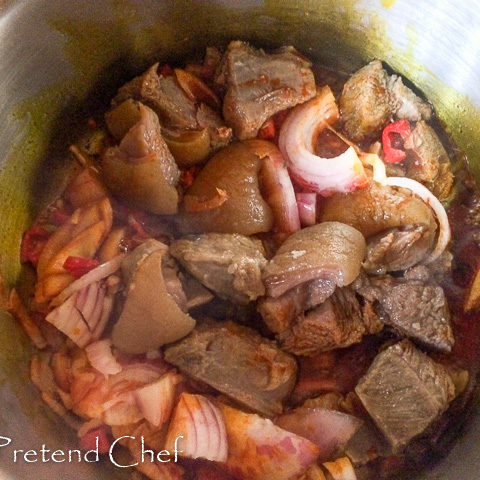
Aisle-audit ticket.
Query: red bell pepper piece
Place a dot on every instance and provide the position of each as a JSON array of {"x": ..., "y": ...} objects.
[
  {"x": 79, "y": 266},
  {"x": 393, "y": 136},
  {"x": 89, "y": 440},
  {"x": 34, "y": 239}
]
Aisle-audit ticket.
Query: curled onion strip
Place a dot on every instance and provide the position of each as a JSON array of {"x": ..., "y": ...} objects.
[
  {"x": 299, "y": 132},
  {"x": 380, "y": 176},
  {"x": 98, "y": 273},
  {"x": 101, "y": 358}
]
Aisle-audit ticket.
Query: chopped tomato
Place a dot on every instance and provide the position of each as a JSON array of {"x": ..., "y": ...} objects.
[
  {"x": 33, "y": 242},
  {"x": 280, "y": 117},
  {"x": 267, "y": 130},
  {"x": 393, "y": 137},
  {"x": 89, "y": 440},
  {"x": 79, "y": 266},
  {"x": 92, "y": 124}
]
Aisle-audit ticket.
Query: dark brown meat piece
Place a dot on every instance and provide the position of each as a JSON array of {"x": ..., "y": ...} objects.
[
  {"x": 238, "y": 362},
  {"x": 415, "y": 308},
  {"x": 339, "y": 322},
  {"x": 163, "y": 95},
  {"x": 404, "y": 391},
  {"x": 279, "y": 313},
  {"x": 406, "y": 104},
  {"x": 229, "y": 264},
  {"x": 259, "y": 85},
  {"x": 397, "y": 249},
  {"x": 371, "y": 98},
  {"x": 428, "y": 161},
  {"x": 365, "y": 102}
]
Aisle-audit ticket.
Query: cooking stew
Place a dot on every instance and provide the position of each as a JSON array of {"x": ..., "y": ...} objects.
[{"x": 267, "y": 265}]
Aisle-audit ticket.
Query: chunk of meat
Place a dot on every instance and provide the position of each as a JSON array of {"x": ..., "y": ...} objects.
[
  {"x": 371, "y": 98},
  {"x": 259, "y": 85},
  {"x": 404, "y": 391},
  {"x": 365, "y": 102},
  {"x": 229, "y": 264},
  {"x": 427, "y": 160},
  {"x": 164, "y": 95},
  {"x": 141, "y": 169},
  {"x": 339, "y": 322},
  {"x": 406, "y": 103},
  {"x": 238, "y": 362},
  {"x": 279, "y": 313},
  {"x": 415, "y": 308},
  {"x": 397, "y": 249},
  {"x": 259, "y": 450},
  {"x": 377, "y": 208},
  {"x": 329, "y": 250}
]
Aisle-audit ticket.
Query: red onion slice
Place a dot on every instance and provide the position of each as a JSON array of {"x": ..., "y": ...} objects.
[
  {"x": 155, "y": 400},
  {"x": 307, "y": 208},
  {"x": 343, "y": 173},
  {"x": 276, "y": 185},
  {"x": 104, "y": 270},
  {"x": 101, "y": 358},
  {"x": 201, "y": 424}
]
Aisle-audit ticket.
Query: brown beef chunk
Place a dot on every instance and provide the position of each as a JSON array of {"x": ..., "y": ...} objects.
[
  {"x": 238, "y": 362},
  {"x": 337, "y": 323},
  {"x": 229, "y": 264},
  {"x": 404, "y": 391},
  {"x": 414, "y": 307}
]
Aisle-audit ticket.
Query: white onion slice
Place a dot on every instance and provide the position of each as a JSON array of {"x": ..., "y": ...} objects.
[
  {"x": 101, "y": 358},
  {"x": 155, "y": 400},
  {"x": 104, "y": 270},
  {"x": 341, "y": 469},
  {"x": 444, "y": 234},
  {"x": 343, "y": 173}
]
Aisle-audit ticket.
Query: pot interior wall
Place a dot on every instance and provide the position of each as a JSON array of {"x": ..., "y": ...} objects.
[{"x": 61, "y": 61}]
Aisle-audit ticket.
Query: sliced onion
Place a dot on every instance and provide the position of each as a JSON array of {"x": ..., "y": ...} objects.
[
  {"x": 343, "y": 173},
  {"x": 307, "y": 208},
  {"x": 202, "y": 427},
  {"x": 101, "y": 358},
  {"x": 155, "y": 400},
  {"x": 341, "y": 469},
  {"x": 444, "y": 234},
  {"x": 329, "y": 429},
  {"x": 432, "y": 201},
  {"x": 276, "y": 185},
  {"x": 104, "y": 270},
  {"x": 83, "y": 316}
]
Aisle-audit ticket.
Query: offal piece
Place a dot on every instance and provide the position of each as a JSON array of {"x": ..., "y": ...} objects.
[
  {"x": 151, "y": 316},
  {"x": 229, "y": 264},
  {"x": 415, "y": 308},
  {"x": 259, "y": 85},
  {"x": 329, "y": 250},
  {"x": 141, "y": 169},
  {"x": 404, "y": 391},
  {"x": 238, "y": 362}
]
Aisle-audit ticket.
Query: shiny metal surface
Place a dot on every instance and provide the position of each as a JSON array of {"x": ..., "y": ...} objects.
[{"x": 55, "y": 55}]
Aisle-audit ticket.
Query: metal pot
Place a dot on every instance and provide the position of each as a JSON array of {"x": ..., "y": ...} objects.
[{"x": 61, "y": 60}]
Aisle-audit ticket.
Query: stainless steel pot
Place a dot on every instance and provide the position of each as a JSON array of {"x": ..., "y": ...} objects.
[{"x": 59, "y": 60}]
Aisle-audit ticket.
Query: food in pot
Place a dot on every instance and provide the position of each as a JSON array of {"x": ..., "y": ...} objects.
[{"x": 279, "y": 281}]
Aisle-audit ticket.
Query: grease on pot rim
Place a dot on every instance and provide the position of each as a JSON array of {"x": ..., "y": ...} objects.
[{"x": 257, "y": 273}]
